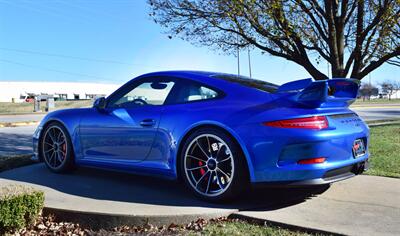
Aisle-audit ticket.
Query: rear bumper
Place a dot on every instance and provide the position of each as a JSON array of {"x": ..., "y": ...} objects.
[
  {"x": 330, "y": 176},
  {"x": 273, "y": 153}
]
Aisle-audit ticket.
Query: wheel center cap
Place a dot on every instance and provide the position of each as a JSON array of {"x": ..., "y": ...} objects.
[{"x": 212, "y": 164}]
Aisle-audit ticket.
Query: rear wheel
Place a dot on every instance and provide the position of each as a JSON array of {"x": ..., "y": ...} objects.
[
  {"x": 56, "y": 148},
  {"x": 213, "y": 165}
]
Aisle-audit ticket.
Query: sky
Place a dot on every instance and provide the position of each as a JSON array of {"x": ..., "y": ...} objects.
[{"x": 113, "y": 41}]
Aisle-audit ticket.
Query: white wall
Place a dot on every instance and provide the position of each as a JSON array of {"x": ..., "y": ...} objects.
[
  {"x": 396, "y": 94},
  {"x": 10, "y": 90}
]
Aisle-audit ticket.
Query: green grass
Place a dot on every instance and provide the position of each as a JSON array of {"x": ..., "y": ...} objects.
[
  {"x": 25, "y": 107},
  {"x": 385, "y": 151},
  {"x": 245, "y": 228}
]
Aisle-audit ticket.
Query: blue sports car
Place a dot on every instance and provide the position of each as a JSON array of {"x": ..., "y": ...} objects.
[{"x": 218, "y": 133}]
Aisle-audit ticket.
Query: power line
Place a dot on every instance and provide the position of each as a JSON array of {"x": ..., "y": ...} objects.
[
  {"x": 54, "y": 70},
  {"x": 69, "y": 57},
  {"x": 28, "y": 7},
  {"x": 56, "y": 8},
  {"x": 58, "y": 12},
  {"x": 90, "y": 10}
]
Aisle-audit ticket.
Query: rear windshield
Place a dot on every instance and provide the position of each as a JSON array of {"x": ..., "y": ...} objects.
[{"x": 246, "y": 81}]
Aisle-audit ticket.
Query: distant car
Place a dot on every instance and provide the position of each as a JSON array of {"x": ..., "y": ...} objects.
[
  {"x": 216, "y": 132},
  {"x": 30, "y": 100},
  {"x": 27, "y": 98}
]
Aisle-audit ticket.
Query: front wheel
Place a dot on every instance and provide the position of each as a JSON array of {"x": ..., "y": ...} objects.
[
  {"x": 213, "y": 165},
  {"x": 56, "y": 148}
]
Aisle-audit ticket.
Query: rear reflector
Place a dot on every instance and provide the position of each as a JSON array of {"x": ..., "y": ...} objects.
[
  {"x": 312, "y": 160},
  {"x": 314, "y": 122}
]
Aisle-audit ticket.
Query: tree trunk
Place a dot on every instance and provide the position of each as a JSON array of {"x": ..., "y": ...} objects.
[{"x": 357, "y": 66}]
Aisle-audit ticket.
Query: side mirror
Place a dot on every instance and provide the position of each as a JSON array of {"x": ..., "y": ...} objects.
[{"x": 100, "y": 103}]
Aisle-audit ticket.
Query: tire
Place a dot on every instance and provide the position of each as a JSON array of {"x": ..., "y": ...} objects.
[
  {"x": 213, "y": 166},
  {"x": 56, "y": 148}
]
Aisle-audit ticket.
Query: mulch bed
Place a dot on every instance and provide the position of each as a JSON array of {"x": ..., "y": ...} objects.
[{"x": 49, "y": 226}]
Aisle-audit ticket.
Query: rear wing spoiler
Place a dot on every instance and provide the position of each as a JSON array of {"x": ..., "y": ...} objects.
[{"x": 325, "y": 93}]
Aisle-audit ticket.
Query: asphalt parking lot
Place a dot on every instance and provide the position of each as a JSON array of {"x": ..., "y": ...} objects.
[
  {"x": 376, "y": 113},
  {"x": 16, "y": 140}
]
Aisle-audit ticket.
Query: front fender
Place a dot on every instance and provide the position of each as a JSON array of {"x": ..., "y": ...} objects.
[{"x": 70, "y": 119}]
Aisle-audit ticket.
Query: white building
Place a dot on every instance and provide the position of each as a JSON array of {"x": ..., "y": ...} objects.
[
  {"x": 396, "y": 95},
  {"x": 19, "y": 91}
]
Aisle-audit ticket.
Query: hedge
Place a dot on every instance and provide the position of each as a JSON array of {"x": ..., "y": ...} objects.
[{"x": 19, "y": 206}]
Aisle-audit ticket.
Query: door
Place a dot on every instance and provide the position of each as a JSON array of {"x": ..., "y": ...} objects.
[{"x": 125, "y": 130}]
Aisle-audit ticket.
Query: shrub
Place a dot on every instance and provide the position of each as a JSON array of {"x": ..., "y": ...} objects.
[{"x": 19, "y": 207}]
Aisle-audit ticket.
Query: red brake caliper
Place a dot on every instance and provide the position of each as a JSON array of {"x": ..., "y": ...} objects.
[
  {"x": 64, "y": 147},
  {"x": 202, "y": 171}
]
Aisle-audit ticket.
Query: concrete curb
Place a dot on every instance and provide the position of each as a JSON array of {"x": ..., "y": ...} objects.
[
  {"x": 384, "y": 124},
  {"x": 99, "y": 220},
  {"x": 18, "y": 124},
  {"x": 281, "y": 225}
]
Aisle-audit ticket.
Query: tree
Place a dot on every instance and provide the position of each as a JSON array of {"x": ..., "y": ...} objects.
[
  {"x": 390, "y": 87},
  {"x": 354, "y": 36},
  {"x": 367, "y": 90}
]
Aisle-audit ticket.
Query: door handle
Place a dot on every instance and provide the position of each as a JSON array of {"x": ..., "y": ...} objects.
[{"x": 148, "y": 122}]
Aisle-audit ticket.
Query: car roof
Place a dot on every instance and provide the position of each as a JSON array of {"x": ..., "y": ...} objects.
[
  {"x": 218, "y": 79},
  {"x": 182, "y": 73}
]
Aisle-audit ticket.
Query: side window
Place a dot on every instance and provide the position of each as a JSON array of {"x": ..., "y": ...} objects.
[
  {"x": 203, "y": 94},
  {"x": 192, "y": 91},
  {"x": 146, "y": 93}
]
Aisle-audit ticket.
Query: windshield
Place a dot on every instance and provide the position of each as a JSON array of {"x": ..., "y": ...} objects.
[{"x": 246, "y": 81}]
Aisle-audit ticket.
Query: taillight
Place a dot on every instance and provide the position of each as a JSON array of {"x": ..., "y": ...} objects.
[{"x": 314, "y": 122}]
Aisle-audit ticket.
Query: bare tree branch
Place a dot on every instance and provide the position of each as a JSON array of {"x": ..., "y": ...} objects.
[{"x": 354, "y": 36}]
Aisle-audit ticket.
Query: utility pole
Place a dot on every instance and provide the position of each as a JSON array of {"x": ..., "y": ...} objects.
[
  {"x": 238, "y": 62},
  {"x": 248, "y": 55},
  {"x": 238, "y": 56},
  {"x": 327, "y": 65},
  {"x": 369, "y": 77}
]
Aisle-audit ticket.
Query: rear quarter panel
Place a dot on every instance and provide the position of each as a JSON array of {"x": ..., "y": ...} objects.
[{"x": 178, "y": 120}]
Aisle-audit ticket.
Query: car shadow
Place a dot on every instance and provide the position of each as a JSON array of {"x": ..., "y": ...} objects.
[{"x": 123, "y": 187}]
